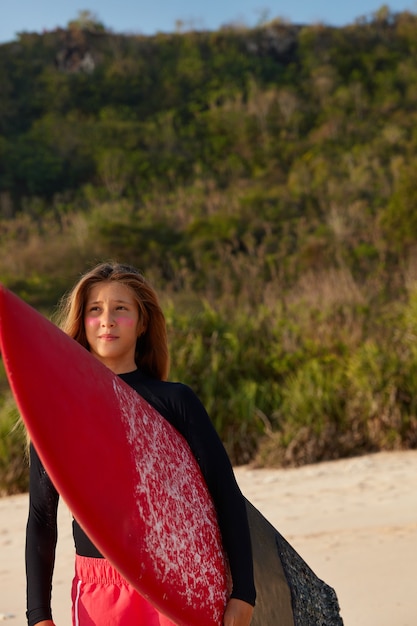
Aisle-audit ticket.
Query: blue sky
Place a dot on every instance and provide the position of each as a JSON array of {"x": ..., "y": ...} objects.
[{"x": 150, "y": 16}]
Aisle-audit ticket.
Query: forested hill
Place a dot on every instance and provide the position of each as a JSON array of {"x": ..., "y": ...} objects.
[
  {"x": 265, "y": 180},
  {"x": 278, "y": 104},
  {"x": 74, "y": 100}
]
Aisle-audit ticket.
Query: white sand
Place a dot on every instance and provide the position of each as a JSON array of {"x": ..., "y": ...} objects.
[{"x": 354, "y": 522}]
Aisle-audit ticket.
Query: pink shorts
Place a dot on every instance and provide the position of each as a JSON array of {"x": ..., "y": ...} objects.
[{"x": 102, "y": 597}]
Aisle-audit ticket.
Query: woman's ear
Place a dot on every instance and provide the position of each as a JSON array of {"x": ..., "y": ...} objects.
[{"x": 141, "y": 329}]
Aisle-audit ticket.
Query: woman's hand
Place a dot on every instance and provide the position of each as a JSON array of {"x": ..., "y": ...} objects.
[
  {"x": 45, "y": 622},
  {"x": 237, "y": 613}
]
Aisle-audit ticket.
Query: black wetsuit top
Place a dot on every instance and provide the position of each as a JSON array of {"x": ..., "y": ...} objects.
[{"x": 181, "y": 407}]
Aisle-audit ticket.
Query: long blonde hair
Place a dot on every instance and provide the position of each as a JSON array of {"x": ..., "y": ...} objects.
[{"x": 151, "y": 355}]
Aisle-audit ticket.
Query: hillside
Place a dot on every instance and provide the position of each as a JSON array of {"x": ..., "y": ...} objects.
[{"x": 264, "y": 180}]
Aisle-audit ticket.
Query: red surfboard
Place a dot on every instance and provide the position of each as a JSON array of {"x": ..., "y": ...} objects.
[{"x": 127, "y": 475}]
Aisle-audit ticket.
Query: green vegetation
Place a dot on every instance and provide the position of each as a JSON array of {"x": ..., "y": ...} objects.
[{"x": 264, "y": 180}]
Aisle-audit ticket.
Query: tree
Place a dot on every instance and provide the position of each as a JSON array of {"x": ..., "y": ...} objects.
[{"x": 87, "y": 20}]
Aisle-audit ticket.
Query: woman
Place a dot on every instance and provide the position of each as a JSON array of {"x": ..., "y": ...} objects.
[{"x": 114, "y": 313}]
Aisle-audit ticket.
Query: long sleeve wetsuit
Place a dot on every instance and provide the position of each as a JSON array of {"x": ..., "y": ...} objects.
[{"x": 181, "y": 407}]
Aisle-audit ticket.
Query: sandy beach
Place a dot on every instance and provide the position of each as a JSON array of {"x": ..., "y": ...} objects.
[{"x": 353, "y": 521}]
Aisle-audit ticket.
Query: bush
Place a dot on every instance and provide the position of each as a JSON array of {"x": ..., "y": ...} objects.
[{"x": 14, "y": 474}]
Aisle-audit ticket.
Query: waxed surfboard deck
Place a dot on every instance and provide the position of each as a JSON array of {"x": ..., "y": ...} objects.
[
  {"x": 127, "y": 475},
  {"x": 136, "y": 488}
]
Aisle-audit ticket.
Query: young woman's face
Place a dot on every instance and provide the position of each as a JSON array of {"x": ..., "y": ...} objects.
[{"x": 112, "y": 325}]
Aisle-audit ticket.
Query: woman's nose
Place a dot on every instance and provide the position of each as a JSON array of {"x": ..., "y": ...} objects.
[{"x": 107, "y": 320}]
